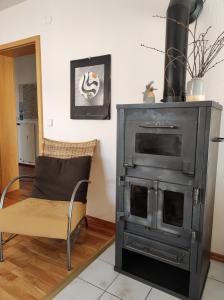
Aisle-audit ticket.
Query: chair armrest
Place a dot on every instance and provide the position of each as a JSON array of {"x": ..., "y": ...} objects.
[
  {"x": 72, "y": 201},
  {"x": 5, "y": 191}
]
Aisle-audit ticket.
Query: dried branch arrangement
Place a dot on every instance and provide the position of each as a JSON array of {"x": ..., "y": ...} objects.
[{"x": 203, "y": 55}]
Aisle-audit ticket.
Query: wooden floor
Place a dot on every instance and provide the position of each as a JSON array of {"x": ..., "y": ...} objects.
[{"x": 34, "y": 267}]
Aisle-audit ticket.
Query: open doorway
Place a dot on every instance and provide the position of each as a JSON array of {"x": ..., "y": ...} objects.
[
  {"x": 21, "y": 108},
  {"x": 26, "y": 113}
]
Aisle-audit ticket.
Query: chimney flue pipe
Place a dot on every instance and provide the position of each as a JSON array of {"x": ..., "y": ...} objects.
[{"x": 185, "y": 12}]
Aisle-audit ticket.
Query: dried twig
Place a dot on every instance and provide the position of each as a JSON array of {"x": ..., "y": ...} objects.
[
  {"x": 152, "y": 48},
  {"x": 177, "y": 22},
  {"x": 218, "y": 62},
  {"x": 204, "y": 53}
]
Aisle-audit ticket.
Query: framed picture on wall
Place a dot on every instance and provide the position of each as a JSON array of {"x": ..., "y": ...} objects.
[{"x": 91, "y": 88}]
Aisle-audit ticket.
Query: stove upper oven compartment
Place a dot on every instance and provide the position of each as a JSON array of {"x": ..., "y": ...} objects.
[{"x": 161, "y": 138}]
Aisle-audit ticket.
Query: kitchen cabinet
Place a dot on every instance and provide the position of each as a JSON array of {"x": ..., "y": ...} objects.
[{"x": 27, "y": 141}]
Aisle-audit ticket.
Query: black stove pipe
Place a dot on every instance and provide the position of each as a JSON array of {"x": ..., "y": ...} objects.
[{"x": 185, "y": 12}]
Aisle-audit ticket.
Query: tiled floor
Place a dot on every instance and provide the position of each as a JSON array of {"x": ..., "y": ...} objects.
[{"x": 100, "y": 282}]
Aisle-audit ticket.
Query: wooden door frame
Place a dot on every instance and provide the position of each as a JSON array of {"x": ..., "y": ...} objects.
[{"x": 23, "y": 47}]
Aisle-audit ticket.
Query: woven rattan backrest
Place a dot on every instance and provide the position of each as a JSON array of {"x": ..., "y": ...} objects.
[{"x": 68, "y": 150}]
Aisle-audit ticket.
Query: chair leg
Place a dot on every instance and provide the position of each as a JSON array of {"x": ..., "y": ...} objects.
[
  {"x": 69, "y": 240},
  {"x": 69, "y": 264},
  {"x": 1, "y": 247},
  {"x": 86, "y": 221}
]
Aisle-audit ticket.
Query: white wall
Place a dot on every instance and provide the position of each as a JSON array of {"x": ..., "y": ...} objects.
[
  {"x": 25, "y": 73},
  {"x": 73, "y": 29},
  {"x": 7, "y": 3}
]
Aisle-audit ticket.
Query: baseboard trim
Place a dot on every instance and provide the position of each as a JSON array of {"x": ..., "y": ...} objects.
[{"x": 217, "y": 257}]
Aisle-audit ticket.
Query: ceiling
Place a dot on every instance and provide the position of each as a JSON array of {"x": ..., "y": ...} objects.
[{"x": 8, "y": 3}]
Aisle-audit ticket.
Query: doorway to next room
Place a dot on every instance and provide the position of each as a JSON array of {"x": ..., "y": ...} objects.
[
  {"x": 26, "y": 113},
  {"x": 21, "y": 109}
]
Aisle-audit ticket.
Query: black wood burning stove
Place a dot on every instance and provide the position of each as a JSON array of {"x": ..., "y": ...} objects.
[{"x": 166, "y": 170}]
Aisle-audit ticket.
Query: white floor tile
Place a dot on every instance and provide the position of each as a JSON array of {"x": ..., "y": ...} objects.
[
  {"x": 99, "y": 273},
  {"x": 79, "y": 290},
  {"x": 159, "y": 295},
  {"x": 214, "y": 290},
  {"x": 216, "y": 271},
  {"x": 107, "y": 296},
  {"x": 109, "y": 255},
  {"x": 128, "y": 288}
]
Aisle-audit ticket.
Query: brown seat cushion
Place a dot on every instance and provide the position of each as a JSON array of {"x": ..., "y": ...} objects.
[{"x": 56, "y": 178}]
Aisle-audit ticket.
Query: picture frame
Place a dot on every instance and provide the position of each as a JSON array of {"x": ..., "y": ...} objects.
[{"x": 91, "y": 88}]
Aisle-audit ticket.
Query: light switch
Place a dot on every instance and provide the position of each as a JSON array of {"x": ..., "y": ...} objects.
[{"x": 50, "y": 123}]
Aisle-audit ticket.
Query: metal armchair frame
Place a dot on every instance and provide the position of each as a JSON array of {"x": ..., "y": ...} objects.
[
  {"x": 70, "y": 212},
  {"x": 70, "y": 215},
  {"x": 5, "y": 191}
]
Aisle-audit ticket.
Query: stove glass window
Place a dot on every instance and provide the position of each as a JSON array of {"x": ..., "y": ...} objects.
[
  {"x": 158, "y": 144},
  {"x": 139, "y": 196},
  {"x": 173, "y": 208}
]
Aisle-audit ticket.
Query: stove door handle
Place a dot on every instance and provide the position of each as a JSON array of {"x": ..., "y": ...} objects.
[
  {"x": 162, "y": 126},
  {"x": 171, "y": 234},
  {"x": 163, "y": 255},
  {"x": 155, "y": 253},
  {"x": 218, "y": 140}
]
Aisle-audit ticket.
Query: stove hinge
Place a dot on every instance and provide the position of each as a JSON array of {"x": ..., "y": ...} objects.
[
  {"x": 129, "y": 163},
  {"x": 196, "y": 196},
  {"x": 122, "y": 181},
  {"x": 122, "y": 215},
  {"x": 194, "y": 236}
]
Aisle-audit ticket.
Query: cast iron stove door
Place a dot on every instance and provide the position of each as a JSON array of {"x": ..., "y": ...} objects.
[
  {"x": 139, "y": 200},
  {"x": 174, "y": 210},
  {"x": 162, "y": 139}
]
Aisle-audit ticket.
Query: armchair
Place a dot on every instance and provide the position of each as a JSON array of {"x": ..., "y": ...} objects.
[{"x": 60, "y": 218}]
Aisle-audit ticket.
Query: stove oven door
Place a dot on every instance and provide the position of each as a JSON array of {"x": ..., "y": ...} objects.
[
  {"x": 174, "y": 210},
  {"x": 139, "y": 201},
  {"x": 161, "y": 138}
]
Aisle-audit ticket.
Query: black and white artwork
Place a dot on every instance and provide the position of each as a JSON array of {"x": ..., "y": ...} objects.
[{"x": 90, "y": 88}]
